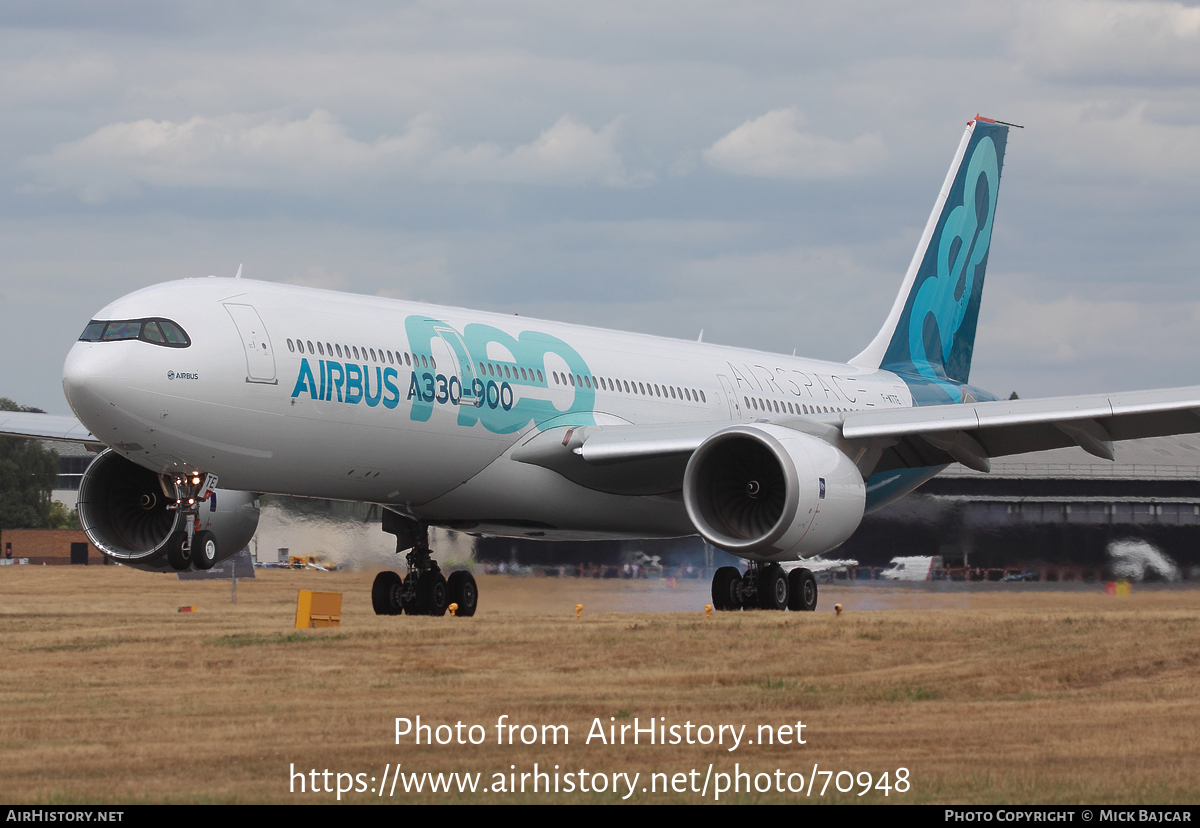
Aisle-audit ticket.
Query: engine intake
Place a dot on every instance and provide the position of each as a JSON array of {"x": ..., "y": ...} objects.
[
  {"x": 768, "y": 492},
  {"x": 123, "y": 510}
]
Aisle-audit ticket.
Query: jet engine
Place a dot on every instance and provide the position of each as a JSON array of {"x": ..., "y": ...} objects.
[
  {"x": 123, "y": 508},
  {"x": 766, "y": 492}
]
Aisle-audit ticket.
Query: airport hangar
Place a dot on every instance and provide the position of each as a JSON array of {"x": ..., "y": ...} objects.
[{"x": 1051, "y": 513}]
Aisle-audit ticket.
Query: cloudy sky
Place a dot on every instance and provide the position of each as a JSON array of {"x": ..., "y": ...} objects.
[{"x": 759, "y": 170}]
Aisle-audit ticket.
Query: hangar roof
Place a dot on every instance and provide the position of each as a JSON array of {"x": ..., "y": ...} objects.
[{"x": 1155, "y": 458}]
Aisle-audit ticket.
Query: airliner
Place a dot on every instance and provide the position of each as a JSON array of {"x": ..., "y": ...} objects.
[{"x": 207, "y": 392}]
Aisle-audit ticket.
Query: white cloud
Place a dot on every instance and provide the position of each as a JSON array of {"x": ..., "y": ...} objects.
[
  {"x": 772, "y": 146},
  {"x": 1110, "y": 41},
  {"x": 567, "y": 153},
  {"x": 1072, "y": 331},
  {"x": 243, "y": 152}
]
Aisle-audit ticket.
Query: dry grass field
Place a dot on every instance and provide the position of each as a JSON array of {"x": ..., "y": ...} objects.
[{"x": 109, "y": 695}]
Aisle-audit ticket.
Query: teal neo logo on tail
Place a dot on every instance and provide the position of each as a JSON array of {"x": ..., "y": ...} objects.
[{"x": 934, "y": 339}]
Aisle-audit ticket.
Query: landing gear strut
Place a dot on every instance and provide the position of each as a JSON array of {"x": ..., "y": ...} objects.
[
  {"x": 764, "y": 586},
  {"x": 425, "y": 590},
  {"x": 189, "y": 546}
]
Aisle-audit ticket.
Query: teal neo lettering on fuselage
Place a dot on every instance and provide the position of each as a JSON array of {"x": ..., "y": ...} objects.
[{"x": 500, "y": 404}]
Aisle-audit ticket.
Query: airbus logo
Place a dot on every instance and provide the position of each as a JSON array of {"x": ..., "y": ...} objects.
[{"x": 172, "y": 375}]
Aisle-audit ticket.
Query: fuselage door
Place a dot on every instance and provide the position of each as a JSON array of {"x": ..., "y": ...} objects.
[
  {"x": 260, "y": 356},
  {"x": 462, "y": 358},
  {"x": 735, "y": 410}
]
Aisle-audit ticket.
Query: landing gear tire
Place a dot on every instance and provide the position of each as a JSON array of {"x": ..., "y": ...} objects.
[
  {"x": 803, "y": 591},
  {"x": 178, "y": 557},
  {"x": 727, "y": 589},
  {"x": 463, "y": 592},
  {"x": 387, "y": 593},
  {"x": 433, "y": 595},
  {"x": 204, "y": 549},
  {"x": 773, "y": 592}
]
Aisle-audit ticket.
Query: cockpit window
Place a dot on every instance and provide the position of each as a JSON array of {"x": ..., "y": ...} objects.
[
  {"x": 155, "y": 331},
  {"x": 174, "y": 333},
  {"x": 151, "y": 332},
  {"x": 122, "y": 330}
]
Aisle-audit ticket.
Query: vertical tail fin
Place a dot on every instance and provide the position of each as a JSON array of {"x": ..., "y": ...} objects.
[{"x": 929, "y": 336}]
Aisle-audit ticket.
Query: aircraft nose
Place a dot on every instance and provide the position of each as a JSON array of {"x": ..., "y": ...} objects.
[{"x": 89, "y": 375}]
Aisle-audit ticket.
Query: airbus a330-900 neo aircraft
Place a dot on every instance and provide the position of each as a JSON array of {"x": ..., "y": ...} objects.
[{"x": 503, "y": 425}]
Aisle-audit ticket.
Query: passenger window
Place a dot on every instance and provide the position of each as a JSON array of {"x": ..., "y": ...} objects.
[
  {"x": 373, "y": 356},
  {"x": 523, "y": 375},
  {"x": 424, "y": 361},
  {"x": 588, "y": 382},
  {"x": 703, "y": 398},
  {"x": 320, "y": 348},
  {"x": 572, "y": 378},
  {"x": 328, "y": 349},
  {"x": 746, "y": 400},
  {"x": 506, "y": 374},
  {"x": 433, "y": 363},
  {"x": 122, "y": 330},
  {"x": 754, "y": 402},
  {"x": 389, "y": 353},
  {"x": 406, "y": 362},
  {"x": 627, "y": 391},
  {"x": 491, "y": 369},
  {"x": 687, "y": 394},
  {"x": 539, "y": 375},
  {"x": 291, "y": 348},
  {"x": 642, "y": 389},
  {"x": 311, "y": 349}
]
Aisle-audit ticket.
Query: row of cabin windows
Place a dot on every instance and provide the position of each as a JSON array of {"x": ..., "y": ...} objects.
[
  {"x": 491, "y": 369},
  {"x": 329, "y": 349},
  {"x": 760, "y": 404},
  {"x": 630, "y": 387}
]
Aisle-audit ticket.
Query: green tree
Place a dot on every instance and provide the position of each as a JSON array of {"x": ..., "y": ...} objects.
[{"x": 27, "y": 474}]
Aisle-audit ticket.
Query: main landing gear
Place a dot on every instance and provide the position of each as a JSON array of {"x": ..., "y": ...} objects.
[
  {"x": 425, "y": 590},
  {"x": 764, "y": 586}
]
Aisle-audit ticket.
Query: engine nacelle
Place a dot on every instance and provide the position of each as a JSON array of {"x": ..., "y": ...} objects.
[
  {"x": 766, "y": 492},
  {"x": 123, "y": 509}
]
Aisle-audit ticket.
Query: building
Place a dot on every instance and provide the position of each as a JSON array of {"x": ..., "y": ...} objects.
[
  {"x": 1056, "y": 514},
  {"x": 48, "y": 546}
]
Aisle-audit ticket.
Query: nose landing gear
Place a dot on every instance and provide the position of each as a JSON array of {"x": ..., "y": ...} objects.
[
  {"x": 189, "y": 546},
  {"x": 425, "y": 590},
  {"x": 764, "y": 586}
]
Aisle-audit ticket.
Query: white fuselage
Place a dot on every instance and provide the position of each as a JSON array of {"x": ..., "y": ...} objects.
[{"x": 248, "y": 401}]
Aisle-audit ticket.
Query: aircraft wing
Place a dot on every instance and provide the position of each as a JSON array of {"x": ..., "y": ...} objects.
[
  {"x": 650, "y": 459},
  {"x": 44, "y": 427},
  {"x": 970, "y": 433}
]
